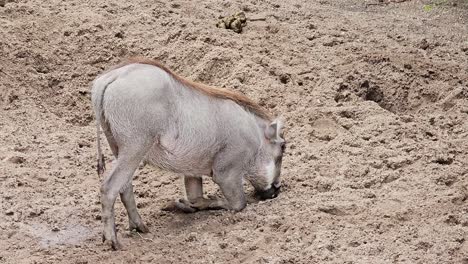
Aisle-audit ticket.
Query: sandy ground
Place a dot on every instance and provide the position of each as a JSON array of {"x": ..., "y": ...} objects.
[{"x": 375, "y": 98}]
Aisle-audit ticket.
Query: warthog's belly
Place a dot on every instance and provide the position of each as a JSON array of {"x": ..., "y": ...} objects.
[{"x": 184, "y": 161}]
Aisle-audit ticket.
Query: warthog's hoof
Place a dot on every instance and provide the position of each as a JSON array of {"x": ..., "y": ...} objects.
[
  {"x": 141, "y": 228},
  {"x": 179, "y": 205},
  {"x": 113, "y": 244}
]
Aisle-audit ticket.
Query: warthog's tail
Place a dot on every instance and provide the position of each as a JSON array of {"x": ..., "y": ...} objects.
[{"x": 97, "y": 97}]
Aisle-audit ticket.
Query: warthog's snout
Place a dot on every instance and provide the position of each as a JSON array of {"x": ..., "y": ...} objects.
[{"x": 269, "y": 194}]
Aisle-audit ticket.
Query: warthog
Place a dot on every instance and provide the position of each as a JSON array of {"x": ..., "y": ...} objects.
[{"x": 148, "y": 113}]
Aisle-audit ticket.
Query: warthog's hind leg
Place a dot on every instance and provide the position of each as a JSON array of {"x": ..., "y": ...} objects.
[
  {"x": 118, "y": 181},
  {"x": 127, "y": 196}
]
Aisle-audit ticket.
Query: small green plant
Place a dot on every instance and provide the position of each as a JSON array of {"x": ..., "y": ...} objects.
[
  {"x": 433, "y": 4},
  {"x": 428, "y": 8}
]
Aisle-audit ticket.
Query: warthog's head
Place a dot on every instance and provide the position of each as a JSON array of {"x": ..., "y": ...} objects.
[{"x": 267, "y": 182}]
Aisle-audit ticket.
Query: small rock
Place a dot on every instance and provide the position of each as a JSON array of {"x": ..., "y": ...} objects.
[
  {"x": 17, "y": 160},
  {"x": 9, "y": 212},
  {"x": 452, "y": 220},
  {"x": 246, "y": 8},
  {"x": 36, "y": 212},
  {"x": 165, "y": 182},
  {"x": 423, "y": 44},
  {"x": 42, "y": 69},
  {"x": 41, "y": 178},
  {"x": 390, "y": 177},
  {"x": 84, "y": 92},
  {"x": 223, "y": 245},
  {"x": 119, "y": 35},
  {"x": 443, "y": 160},
  {"x": 354, "y": 243},
  {"x": 330, "y": 247},
  {"x": 423, "y": 245},
  {"x": 284, "y": 78},
  {"x": 11, "y": 233},
  {"x": 397, "y": 162},
  {"x": 147, "y": 258},
  {"x": 331, "y": 210},
  {"x": 83, "y": 143},
  {"x": 407, "y": 118},
  {"x": 253, "y": 248},
  {"x": 192, "y": 237},
  {"x": 240, "y": 239},
  {"x": 446, "y": 179},
  {"x": 332, "y": 43}
]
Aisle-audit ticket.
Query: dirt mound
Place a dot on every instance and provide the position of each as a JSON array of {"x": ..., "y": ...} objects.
[{"x": 375, "y": 99}]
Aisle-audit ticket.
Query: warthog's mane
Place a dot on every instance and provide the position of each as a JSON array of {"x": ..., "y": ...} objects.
[{"x": 238, "y": 98}]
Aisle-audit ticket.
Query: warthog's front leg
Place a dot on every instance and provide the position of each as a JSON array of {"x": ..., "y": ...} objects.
[
  {"x": 195, "y": 200},
  {"x": 212, "y": 203},
  {"x": 193, "y": 188},
  {"x": 231, "y": 185}
]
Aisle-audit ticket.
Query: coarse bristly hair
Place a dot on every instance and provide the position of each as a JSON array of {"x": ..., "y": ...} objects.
[{"x": 238, "y": 98}]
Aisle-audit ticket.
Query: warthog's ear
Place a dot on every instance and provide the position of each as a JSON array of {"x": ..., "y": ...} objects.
[{"x": 273, "y": 131}]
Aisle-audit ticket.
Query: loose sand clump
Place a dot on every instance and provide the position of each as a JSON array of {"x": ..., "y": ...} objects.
[{"x": 234, "y": 22}]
